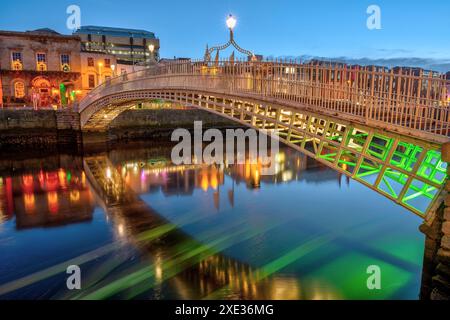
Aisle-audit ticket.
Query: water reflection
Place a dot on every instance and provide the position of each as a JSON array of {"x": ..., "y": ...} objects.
[
  {"x": 142, "y": 227},
  {"x": 45, "y": 199}
]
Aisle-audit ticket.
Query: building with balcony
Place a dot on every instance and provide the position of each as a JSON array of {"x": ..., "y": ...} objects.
[
  {"x": 129, "y": 46},
  {"x": 40, "y": 68}
]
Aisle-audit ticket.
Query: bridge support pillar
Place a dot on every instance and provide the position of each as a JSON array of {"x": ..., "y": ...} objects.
[{"x": 436, "y": 266}]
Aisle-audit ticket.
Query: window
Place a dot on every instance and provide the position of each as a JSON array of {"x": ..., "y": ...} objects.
[
  {"x": 17, "y": 56},
  {"x": 41, "y": 57},
  {"x": 65, "y": 62},
  {"x": 91, "y": 81},
  {"x": 65, "y": 59},
  {"x": 90, "y": 62},
  {"x": 16, "y": 62},
  {"x": 41, "y": 62},
  {"x": 107, "y": 63},
  {"x": 19, "y": 90}
]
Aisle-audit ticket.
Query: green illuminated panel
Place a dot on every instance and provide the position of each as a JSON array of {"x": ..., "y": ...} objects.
[
  {"x": 356, "y": 139},
  {"x": 380, "y": 147},
  {"x": 369, "y": 171},
  {"x": 348, "y": 161},
  {"x": 419, "y": 195},
  {"x": 392, "y": 183},
  {"x": 432, "y": 168},
  {"x": 405, "y": 156},
  {"x": 329, "y": 152}
]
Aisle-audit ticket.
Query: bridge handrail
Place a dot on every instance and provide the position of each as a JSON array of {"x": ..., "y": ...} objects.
[{"x": 410, "y": 98}]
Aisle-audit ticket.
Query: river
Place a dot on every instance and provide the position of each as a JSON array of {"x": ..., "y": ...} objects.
[{"x": 140, "y": 227}]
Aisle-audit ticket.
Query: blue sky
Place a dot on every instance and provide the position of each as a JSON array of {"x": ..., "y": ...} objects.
[{"x": 410, "y": 28}]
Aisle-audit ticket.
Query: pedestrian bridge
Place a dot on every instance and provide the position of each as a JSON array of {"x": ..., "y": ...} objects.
[{"x": 383, "y": 128}]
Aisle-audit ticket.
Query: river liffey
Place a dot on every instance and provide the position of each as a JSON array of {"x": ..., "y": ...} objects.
[{"x": 140, "y": 227}]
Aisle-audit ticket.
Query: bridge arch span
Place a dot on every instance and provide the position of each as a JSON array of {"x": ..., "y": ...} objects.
[{"x": 400, "y": 160}]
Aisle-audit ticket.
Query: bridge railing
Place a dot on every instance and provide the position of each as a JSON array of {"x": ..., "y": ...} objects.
[{"x": 409, "y": 98}]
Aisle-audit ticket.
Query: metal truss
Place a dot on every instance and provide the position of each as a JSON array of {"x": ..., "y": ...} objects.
[{"x": 407, "y": 171}]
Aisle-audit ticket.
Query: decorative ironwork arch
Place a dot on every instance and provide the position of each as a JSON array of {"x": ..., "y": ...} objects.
[{"x": 231, "y": 42}]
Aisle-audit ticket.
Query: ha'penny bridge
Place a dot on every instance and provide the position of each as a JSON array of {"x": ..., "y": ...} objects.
[{"x": 383, "y": 128}]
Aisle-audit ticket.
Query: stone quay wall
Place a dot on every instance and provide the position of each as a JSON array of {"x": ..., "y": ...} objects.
[
  {"x": 22, "y": 129},
  {"x": 49, "y": 129},
  {"x": 436, "y": 266},
  {"x": 145, "y": 123}
]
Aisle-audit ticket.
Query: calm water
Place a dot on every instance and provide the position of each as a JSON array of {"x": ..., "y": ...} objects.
[{"x": 142, "y": 228}]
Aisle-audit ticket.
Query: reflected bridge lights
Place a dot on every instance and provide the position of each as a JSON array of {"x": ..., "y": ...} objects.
[{"x": 108, "y": 174}]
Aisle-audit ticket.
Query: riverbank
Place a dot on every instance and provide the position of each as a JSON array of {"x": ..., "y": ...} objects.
[
  {"x": 53, "y": 130},
  {"x": 147, "y": 124},
  {"x": 43, "y": 129}
]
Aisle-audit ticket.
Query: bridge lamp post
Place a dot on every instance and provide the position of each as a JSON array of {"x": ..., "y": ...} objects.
[{"x": 231, "y": 24}]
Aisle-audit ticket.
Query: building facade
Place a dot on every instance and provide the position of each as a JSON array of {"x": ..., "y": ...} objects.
[
  {"x": 96, "y": 68},
  {"x": 45, "y": 69},
  {"x": 40, "y": 68},
  {"x": 129, "y": 46}
]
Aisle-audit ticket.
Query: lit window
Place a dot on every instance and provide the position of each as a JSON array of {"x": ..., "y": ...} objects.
[
  {"x": 16, "y": 62},
  {"x": 290, "y": 70},
  {"x": 65, "y": 59},
  {"x": 41, "y": 61},
  {"x": 17, "y": 56},
  {"x": 19, "y": 89},
  {"x": 65, "y": 62},
  {"x": 90, "y": 62},
  {"x": 41, "y": 57},
  {"x": 91, "y": 81}
]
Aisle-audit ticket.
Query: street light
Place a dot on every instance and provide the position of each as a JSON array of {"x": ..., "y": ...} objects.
[
  {"x": 100, "y": 66},
  {"x": 151, "y": 48},
  {"x": 231, "y": 22}
]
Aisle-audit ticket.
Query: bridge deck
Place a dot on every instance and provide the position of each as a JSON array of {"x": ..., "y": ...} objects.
[{"x": 383, "y": 128}]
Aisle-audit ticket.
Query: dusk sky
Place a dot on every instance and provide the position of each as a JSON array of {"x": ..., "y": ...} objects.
[{"x": 410, "y": 28}]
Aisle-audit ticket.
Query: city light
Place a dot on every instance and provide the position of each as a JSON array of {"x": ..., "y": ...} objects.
[
  {"x": 231, "y": 22},
  {"x": 300, "y": 175}
]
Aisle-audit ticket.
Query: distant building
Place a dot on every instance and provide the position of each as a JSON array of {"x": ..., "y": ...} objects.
[
  {"x": 39, "y": 68},
  {"x": 129, "y": 46},
  {"x": 174, "y": 60}
]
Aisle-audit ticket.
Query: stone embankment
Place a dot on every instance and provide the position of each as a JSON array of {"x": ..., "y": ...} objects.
[
  {"x": 436, "y": 269},
  {"x": 48, "y": 129},
  {"x": 22, "y": 129}
]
